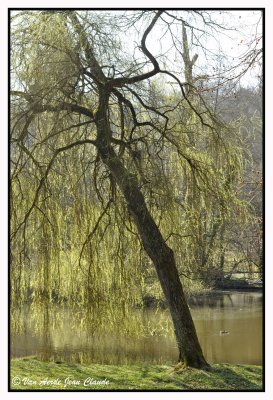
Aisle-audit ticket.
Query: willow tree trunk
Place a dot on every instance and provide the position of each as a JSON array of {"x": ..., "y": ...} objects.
[{"x": 162, "y": 256}]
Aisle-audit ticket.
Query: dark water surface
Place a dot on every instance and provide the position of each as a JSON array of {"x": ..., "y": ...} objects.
[{"x": 238, "y": 313}]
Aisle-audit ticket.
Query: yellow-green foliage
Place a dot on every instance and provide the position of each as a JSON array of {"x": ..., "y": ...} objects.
[{"x": 73, "y": 240}]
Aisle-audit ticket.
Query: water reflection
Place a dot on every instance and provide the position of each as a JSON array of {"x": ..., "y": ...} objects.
[
  {"x": 240, "y": 314},
  {"x": 63, "y": 335}
]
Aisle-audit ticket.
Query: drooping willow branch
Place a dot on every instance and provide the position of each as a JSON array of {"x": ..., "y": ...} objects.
[
  {"x": 92, "y": 233},
  {"x": 43, "y": 179}
]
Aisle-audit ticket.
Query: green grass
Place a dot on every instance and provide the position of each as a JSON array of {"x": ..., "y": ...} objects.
[{"x": 132, "y": 377}]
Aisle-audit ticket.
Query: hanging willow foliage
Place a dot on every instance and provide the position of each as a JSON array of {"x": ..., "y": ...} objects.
[{"x": 72, "y": 239}]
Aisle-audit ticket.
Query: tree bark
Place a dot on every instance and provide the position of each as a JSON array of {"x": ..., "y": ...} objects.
[{"x": 162, "y": 256}]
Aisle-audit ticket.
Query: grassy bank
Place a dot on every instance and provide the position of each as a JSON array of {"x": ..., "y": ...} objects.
[{"x": 29, "y": 373}]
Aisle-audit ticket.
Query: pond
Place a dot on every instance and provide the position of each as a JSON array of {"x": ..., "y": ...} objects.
[{"x": 66, "y": 336}]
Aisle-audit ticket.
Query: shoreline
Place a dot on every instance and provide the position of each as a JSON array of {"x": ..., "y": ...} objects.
[{"x": 152, "y": 301}]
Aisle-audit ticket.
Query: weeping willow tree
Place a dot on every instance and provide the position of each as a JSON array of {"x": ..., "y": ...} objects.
[{"x": 110, "y": 171}]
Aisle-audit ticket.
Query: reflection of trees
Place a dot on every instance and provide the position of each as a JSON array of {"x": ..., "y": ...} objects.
[
  {"x": 225, "y": 300},
  {"x": 46, "y": 340},
  {"x": 54, "y": 333}
]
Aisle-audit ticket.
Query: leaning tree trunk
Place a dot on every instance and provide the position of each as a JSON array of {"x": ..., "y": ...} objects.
[{"x": 162, "y": 256}]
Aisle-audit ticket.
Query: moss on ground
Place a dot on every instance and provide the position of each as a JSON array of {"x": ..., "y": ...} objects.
[{"x": 30, "y": 373}]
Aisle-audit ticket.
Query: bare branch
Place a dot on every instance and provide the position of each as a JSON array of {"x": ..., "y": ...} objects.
[
  {"x": 39, "y": 108},
  {"x": 119, "y": 82}
]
